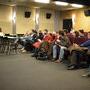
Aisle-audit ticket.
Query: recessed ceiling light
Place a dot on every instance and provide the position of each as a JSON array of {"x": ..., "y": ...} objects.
[
  {"x": 61, "y": 3},
  {"x": 42, "y": 1},
  {"x": 77, "y": 5}
]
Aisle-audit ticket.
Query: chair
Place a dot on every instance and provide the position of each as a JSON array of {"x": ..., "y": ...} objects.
[
  {"x": 5, "y": 45},
  {"x": 12, "y": 46},
  {"x": 1, "y": 44},
  {"x": 20, "y": 35}
]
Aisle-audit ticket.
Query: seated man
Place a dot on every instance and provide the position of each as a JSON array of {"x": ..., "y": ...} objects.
[
  {"x": 76, "y": 54},
  {"x": 87, "y": 44},
  {"x": 63, "y": 44}
]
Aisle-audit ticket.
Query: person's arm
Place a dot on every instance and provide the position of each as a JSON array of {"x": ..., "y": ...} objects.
[{"x": 86, "y": 44}]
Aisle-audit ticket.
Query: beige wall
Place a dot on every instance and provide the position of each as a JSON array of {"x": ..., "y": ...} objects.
[
  {"x": 80, "y": 20},
  {"x": 26, "y": 24},
  {"x": 5, "y": 18},
  {"x": 23, "y": 24},
  {"x": 46, "y": 23}
]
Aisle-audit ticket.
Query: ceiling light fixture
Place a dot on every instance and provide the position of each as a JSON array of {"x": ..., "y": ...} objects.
[
  {"x": 42, "y": 1},
  {"x": 61, "y": 3},
  {"x": 77, "y": 5}
]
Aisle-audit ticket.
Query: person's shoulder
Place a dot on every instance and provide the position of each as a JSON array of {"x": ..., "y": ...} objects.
[{"x": 66, "y": 37}]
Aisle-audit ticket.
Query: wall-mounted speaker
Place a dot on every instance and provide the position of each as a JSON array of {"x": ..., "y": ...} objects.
[
  {"x": 87, "y": 12},
  {"x": 48, "y": 15},
  {"x": 27, "y": 14}
]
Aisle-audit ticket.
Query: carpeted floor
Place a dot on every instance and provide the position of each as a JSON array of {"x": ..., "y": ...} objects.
[{"x": 22, "y": 72}]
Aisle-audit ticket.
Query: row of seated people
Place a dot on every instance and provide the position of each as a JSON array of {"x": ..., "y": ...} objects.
[{"x": 55, "y": 45}]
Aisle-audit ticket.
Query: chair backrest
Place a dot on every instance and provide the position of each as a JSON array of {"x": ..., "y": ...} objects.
[
  {"x": 1, "y": 39},
  {"x": 6, "y": 40},
  {"x": 20, "y": 35},
  {"x": 7, "y": 34}
]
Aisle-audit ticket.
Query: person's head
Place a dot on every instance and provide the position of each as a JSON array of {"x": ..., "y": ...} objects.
[
  {"x": 33, "y": 30},
  {"x": 61, "y": 33},
  {"x": 88, "y": 35},
  {"x": 81, "y": 31},
  {"x": 76, "y": 34},
  {"x": 65, "y": 30},
  {"x": 57, "y": 33},
  {"x": 40, "y": 33},
  {"x": 45, "y": 31}
]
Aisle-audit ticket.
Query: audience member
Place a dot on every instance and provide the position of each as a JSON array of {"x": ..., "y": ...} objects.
[
  {"x": 63, "y": 43},
  {"x": 79, "y": 51},
  {"x": 81, "y": 33}
]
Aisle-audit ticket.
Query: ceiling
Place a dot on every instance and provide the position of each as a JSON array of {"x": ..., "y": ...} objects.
[
  {"x": 83, "y": 2},
  {"x": 51, "y": 5}
]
